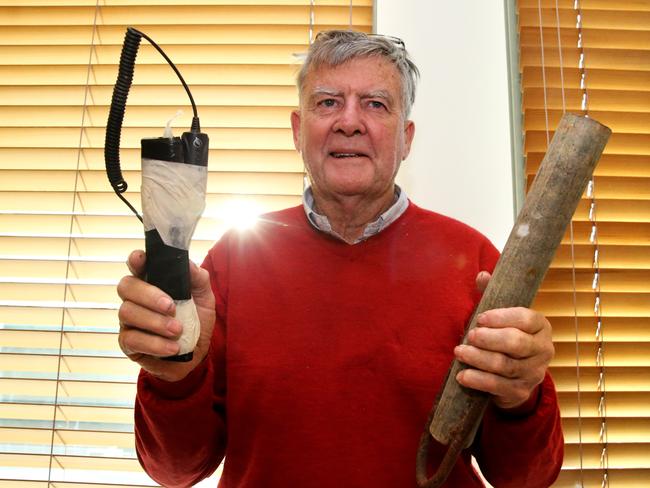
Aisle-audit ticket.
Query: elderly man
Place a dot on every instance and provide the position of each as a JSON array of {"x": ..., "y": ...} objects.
[{"x": 328, "y": 329}]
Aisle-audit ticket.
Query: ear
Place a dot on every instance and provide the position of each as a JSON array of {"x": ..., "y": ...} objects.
[
  {"x": 295, "y": 128},
  {"x": 409, "y": 132}
]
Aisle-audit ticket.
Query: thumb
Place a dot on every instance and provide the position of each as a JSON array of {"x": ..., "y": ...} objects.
[
  {"x": 482, "y": 280},
  {"x": 200, "y": 280},
  {"x": 135, "y": 262}
]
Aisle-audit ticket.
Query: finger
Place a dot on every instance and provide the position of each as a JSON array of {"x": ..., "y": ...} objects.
[
  {"x": 200, "y": 279},
  {"x": 136, "y": 263},
  {"x": 134, "y": 341},
  {"x": 139, "y": 317},
  {"x": 513, "y": 342},
  {"x": 510, "y": 393},
  {"x": 482, "y": 280},
  {"x": 489, "y": 361},
  {"x": 521, "y": 318},
  {"x": 137, "y": 291}
]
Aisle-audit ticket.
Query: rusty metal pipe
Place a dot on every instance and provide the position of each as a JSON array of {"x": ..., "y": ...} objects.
[{"x": 553, "y": 197}]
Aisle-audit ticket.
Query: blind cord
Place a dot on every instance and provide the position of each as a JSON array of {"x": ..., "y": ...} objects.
[
  {"x": 350, "y": 22},
  {"x": 541, "y": 49},
  {"x": 67, "y": 268},
  {"x": 593, "y": 239},
  {"x": 574, "y": 294}
]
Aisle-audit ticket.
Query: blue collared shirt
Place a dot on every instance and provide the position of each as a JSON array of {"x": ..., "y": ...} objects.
[{"x": 322, "y": 223}]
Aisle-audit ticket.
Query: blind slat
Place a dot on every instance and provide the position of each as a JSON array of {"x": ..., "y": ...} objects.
[
  {"x": 596, "y": 292},
  {"x": 64, "y": 235},
  {"x": 190, "y": 15}
]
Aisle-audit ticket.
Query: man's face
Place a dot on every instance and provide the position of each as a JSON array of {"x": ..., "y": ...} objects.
[{"x": 351, "y": 129}]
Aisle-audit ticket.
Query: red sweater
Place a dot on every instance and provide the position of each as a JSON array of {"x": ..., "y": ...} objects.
[{"x": 325, "y": 362}]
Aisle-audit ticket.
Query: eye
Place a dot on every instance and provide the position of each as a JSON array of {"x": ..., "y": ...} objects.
[
  {"x": 376, "y": 104},
  {"x": 327, "y": 102}
]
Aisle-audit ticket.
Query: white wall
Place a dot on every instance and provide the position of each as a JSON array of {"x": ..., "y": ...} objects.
[{"x": 460, "y": 164}]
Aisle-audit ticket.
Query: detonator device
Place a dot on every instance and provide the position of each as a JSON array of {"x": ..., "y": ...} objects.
[{"x": 174, "y": 180}]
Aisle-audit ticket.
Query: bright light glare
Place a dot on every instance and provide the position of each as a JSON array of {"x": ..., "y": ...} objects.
[{"x": 240, "y": 214}]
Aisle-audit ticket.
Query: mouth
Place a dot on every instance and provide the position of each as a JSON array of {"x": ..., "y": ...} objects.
[{"x": 347, "y": 155}]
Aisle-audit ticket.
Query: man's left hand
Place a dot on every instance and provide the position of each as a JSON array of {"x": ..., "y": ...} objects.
[{"x": 510, "y": 350}]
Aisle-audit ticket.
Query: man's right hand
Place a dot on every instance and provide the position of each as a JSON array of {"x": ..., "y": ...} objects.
[{"x": 148, "y": 329}]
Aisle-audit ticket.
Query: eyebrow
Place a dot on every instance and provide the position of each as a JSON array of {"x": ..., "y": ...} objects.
[
  {"x": 379, "y": 94},
  {"x": 383, "y": 94},
  {"x": 321, "y": 90}
]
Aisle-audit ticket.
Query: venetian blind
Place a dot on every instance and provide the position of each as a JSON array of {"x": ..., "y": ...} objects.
[
  {"x": 593, "y": 56},
  {"x": 66, "y": 391}
]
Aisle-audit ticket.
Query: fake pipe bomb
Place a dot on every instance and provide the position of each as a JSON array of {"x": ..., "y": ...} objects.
[
  {"x": 174, "y": 180},
  {"x": 554, "y": 195}
]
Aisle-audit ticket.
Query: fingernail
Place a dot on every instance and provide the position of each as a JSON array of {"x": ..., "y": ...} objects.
[
  {"x": 172, "y": 348},
  {"x": 174, "y": 327},
  {"x": 481, "y": 318},
  {"x": 165, "y": 304}
]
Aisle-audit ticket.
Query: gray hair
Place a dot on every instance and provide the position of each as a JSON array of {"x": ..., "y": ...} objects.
[{"x": 335, "y": 47}]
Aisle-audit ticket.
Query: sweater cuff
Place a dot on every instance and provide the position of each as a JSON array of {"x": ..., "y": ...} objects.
[
  {"x": 525, "y": 409},
  {"x": 175, "y": 390}
]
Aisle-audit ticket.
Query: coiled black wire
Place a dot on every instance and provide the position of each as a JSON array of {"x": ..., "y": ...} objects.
[
  {"x": 118, "y": 108},
  {"x": 116, "y": 115}
]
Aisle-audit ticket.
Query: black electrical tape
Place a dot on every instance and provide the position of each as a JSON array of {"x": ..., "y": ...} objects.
[
  {"x": 167, "y": 267},
  {"x": 163, "y": 149},
  {"x": 195, "y": 148}
]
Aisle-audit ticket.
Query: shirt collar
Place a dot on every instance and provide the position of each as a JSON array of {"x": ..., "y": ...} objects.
[{"x": 322, "y": 223}]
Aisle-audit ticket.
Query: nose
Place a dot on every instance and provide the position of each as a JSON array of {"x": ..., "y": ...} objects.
[{"x": 350, "y": 121}]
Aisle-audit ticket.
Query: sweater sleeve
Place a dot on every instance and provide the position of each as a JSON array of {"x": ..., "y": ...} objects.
[
  {"x": 180, "y": 427},
  {"x": 508, "y": 441}
]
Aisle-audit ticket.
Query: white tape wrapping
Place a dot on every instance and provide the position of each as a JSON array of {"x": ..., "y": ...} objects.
[
  {"x": 173, "y": 199},
  {"x": 186, "y": 314}
]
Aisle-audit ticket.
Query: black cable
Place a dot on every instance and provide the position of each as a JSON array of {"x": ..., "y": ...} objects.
[
  {"x": 178, "y": 73},
  {"x": 116, "y": 116},
  {"x": 118, "y": 107}
]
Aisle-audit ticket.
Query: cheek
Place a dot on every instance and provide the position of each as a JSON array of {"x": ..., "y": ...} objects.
[
  {"x": 401, "y": 149},
  {"x": 392, "y": 148}
]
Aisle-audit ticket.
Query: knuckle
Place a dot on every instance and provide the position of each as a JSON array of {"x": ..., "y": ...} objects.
[
  {"x": 518, "y": 342},
  {"x": 514, "y": 340},
  {"x": 508, "y": 367},
  {"x": 527, "y": 318},
  {"x": 524, "y": 313}
]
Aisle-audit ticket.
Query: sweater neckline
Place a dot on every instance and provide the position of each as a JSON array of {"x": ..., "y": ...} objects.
[{"x": 353, "y": 251}]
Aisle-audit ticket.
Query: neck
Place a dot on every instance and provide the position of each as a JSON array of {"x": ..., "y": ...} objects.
[{"x": 349, "y": 215}]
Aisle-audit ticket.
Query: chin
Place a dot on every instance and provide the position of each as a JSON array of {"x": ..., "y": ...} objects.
[{"x": 350, "y": 188}]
